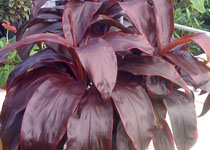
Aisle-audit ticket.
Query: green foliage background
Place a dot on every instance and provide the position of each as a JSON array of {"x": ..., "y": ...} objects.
[{"x": 14, "y": 10}]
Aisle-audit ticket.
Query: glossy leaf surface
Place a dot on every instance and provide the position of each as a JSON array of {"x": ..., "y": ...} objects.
[
  {"x": 163, "y": 10},
  {"x": 100, "y": 62},
  {"x": 144, "y": 23},
  {"x": 46, "y": 115},
  {"x": 152, "y": 66},
  {"x": 76, "y": 17},
  {"x": 135, "y": 110},
  {"x": 90, "y": 126},
  {"x": 184, "y": 60},
  {"x": 182, "y": 115},
  {"x": 123, "y": 42}
]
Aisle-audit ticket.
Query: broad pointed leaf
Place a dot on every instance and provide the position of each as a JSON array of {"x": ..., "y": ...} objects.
[
  {"x": 184, "y": 60},
  {"x": 47, "y": 113},
  {"x": 99, "y": 60},
  {"x": 135, "y": 110},
  {"x": 142, "y": 17},
  {"x": 123, "y": 140},
  {"x": 200, "y": 39},
  {"x": 43, "y": 56},
  {"x": 37, "y": 4},
  {"x": 123, "y": 42},
  {"x": 164, "y": 21},
  {"x": 90, "y": 126},
  {"x": 163, "y": 138},
  {"x": 206, "y": 106},
  {"x": 76, "y": 17},
  {"x": 15, "y": 102},
  {"x": 43, "y": 37},
  {"x": 152, "y": 66},
  {"x": 182, "y": 115}
]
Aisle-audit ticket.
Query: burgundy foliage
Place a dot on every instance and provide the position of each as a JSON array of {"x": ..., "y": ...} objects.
[{"x": 108, "y": 75}]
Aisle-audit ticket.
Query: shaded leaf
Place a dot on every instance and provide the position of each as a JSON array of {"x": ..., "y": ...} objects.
[
  {"x": 43, "y": 37},
  {"x": 99, "y": 60},
  {"x": 184, "y": 60},
  {"x": 123, "y": 140},
  {"x": 164, "y": 21},
  {"x": 135, "y": 110},
  {"x": 152, "y": 66},
  {"x": 123, "y": 42},
  {"x": 182, "y": 115},
  {"x": 103, "y": 19},
  {"x": 144, "y": 23},
  {"x": 90, "y": 126},
  {"x": 37, "y": 4},
  {"x": 76, "y": 17},
  {"x": 206, "y": 106},
  {"x": 46, "y": 115},
  {"x": 158, "y": 87},
  {"x": 163, "y": 138}
]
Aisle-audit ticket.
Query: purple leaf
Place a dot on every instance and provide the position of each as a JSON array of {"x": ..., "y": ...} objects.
[
  {"x": 163, "y": 138},
  {"x": 90, "y": 126},
  {"x": 206, "y": 106},
  {"x": 200, "y": 39},
  {"x": 47, "y": 113},
  {"x": 15, "y": 102},
  {"x": 141, "y": 14},
  {"x": 135, "y": 110},
  {"x": 164, "y": 21},
  {"x": 43, "y": 37},
  {"x": 76, "y": 17},
  {"x": 99, "y": 61},
  {"x": 152, "y": 66},
  {"x": 37, "y": 4},
  {"x": 184, "y": 60},
  {"x": 123, "y": 140},
  {"x": 123, "y": 42},
  {"x": 183, "y": 119},
  {"x": 43, "y": 56},
  {"x": 103, "y": 19}
]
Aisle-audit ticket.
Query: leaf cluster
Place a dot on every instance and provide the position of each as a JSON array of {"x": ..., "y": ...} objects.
[
  {"x": 104, "y": 79},
  {"x": 14, "y": 10}
]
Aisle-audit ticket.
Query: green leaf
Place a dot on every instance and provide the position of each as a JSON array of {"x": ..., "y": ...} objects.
[
  {"x": 199, "y": 5},
  {"x": 4, "y": 73}
]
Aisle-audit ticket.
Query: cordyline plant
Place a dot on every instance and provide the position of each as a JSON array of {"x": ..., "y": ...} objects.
[{"x": 101, "y": 84}]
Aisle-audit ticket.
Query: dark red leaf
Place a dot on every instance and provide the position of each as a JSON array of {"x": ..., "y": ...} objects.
[
  {"x": 135, "y": 110},
  {"x": 158, "y": 87},
  {"x": 123, "y": 42},
  {"x": 190, "y": 64},
  {"x": 103, "y": 19},
  {"x": 123, "y": 140},
  {"x": 90, "y": 126},
  {"x": 30, "y": 63},
  {"x": 47, "y": 113},
  {"x": 37, "y": 4},
  {"x": 152, "y": 66},
  {"x": 200, "y": 39},
  {"x": 183, "y": 119},
  {"x": 15, "y": 102},
  {"x": 76, "y": 17},
  {"x": 141, "y": 14},
  {"x": 99, "y": 60},
  {"x": 164, "y": 18},
  {"x": 43, "y": 37},
  {"x": 163, "y": 138},
  {"x": 206, "y": 106}
]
